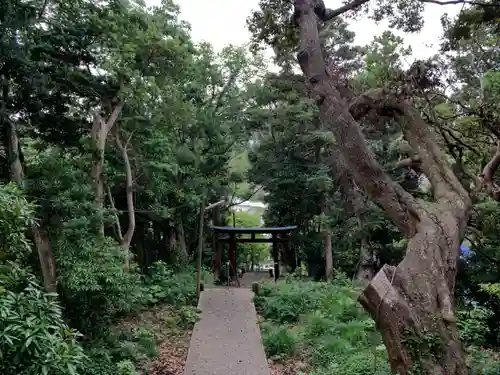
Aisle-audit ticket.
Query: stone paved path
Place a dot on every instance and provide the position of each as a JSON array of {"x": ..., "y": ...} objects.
[{"x": 226, "y": 341}]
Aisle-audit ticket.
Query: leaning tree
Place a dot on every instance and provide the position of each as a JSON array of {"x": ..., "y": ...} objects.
[{"x": 412, "y": 303}]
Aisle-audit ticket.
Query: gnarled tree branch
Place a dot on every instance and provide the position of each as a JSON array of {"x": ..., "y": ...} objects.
[
  {"x": 421, "y": 138},
  {"x": 399, "y": 204},
  {"x": 326, "y": 14},
  {"x": 414, "y": 162},
  {"x": 487, "y": 174}
]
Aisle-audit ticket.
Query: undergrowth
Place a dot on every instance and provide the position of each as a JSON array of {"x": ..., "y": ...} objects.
[
  {"x": 103, "y": 321},
  {"x": 34, "y": 338},
  {"x": 167, "y": 308},
  {"x": 322, "y": 324}
]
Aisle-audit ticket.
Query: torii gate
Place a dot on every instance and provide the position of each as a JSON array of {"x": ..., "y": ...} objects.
[{"x": 228, "y": 235}]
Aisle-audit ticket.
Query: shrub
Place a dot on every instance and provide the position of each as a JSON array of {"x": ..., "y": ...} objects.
[
  {"x": 163, "y": 285},
  {"x": 126, "y": 368},
  {"x": 483, "y": 361},
  {"x": 473, "y": 325},
  {"x": 119, "y": 351},
  {"x": 33, "y": 336},
  {"x": 93, "y": 285},
  {"x": 286, "y": 304},
  {"x": 324, "y": 322},
  {"x": 279, "y": 342},
  {"x": 100, "y": 362},
  {"x": 16, "y": 216},
  {"x": 137, "y": 345}
]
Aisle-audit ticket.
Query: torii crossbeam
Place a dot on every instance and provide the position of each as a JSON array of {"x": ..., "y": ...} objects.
[{"x": 229, "y": 235}]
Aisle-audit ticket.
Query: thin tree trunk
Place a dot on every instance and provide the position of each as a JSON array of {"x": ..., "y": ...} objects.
[
  {"x": 99, "y": 133},
  {"x": 328, "y": 255},
  {"x": 200, "y": 245},
  {"x": 97, "y": 172},
  {"x": 324, "y": 229},
  {"x": 366, "y": 269},
  {"x": 14, "y": 154},
  {"x": 126, "y": 239},
  {"x": 172, "y": 244},
  {"x": 412, "y": 303},
  {"x": 182, "y": 253},
  {"x": 366, "y": 266},
  {"x": 216, "y": 249}
]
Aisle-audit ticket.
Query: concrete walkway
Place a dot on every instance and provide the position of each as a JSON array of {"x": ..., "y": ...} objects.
[{"x": 226, "y": 341}]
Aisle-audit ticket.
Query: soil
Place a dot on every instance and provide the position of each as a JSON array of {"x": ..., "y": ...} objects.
[
  {"x": 173, "y": 342},
  {"x": 172, "y": 358},
  {"x": 288, "y": 367}
]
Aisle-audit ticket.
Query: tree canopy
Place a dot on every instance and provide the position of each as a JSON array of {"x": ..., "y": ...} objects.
[{"x": 115, "y": 126}]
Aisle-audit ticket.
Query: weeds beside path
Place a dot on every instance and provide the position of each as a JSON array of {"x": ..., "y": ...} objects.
[
  {"x": 318, "y": 328},
  {"x": 166, "y": 331}
]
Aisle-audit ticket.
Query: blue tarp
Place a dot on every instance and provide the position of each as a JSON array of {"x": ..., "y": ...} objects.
[{"x": 465, "y": 250}]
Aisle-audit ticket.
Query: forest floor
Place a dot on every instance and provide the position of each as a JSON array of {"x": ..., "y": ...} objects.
[
  {"x": 317, "y": 328},
  {"x": 172, "y": 327},
  {"x": 287, "y": 367},
  {"x": 172, "y": 357}
]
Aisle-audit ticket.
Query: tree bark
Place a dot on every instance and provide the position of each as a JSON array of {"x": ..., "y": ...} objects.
[
  {"x": 182, "y": 253},
  {"x": 40, "y": 236},
  {"x": 99, "y": 133},
  {"x": 216, "y": 249},
  {"x": 14, "y": 154},
  {"x": 126, "y": 239},
  {"x": 328, "y": 255},
  {"x": 46, "y": 257},
  {"x": 366, "y": 270},
  {"x": 412, "y": 303}
]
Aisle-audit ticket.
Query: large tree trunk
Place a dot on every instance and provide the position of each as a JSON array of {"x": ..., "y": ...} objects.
[
  {"x": 40, "y": 236},
  {"x": 99, "y": 133},
  {"x": 413, "y": 302}
]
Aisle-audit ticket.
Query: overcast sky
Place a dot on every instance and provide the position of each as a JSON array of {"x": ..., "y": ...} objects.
[{"x": 222, "y": 22}]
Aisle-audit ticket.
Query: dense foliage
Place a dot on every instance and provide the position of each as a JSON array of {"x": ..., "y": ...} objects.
[
  {"x": 323, "y": 330},
  {"x": 115, "y": 126}
]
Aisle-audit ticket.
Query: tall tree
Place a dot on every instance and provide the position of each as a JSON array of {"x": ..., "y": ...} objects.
[{"x": 400, "y": 299}]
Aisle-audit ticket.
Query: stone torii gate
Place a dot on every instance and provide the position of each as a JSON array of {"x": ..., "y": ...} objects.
[{"x": 229, "y": 235}]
